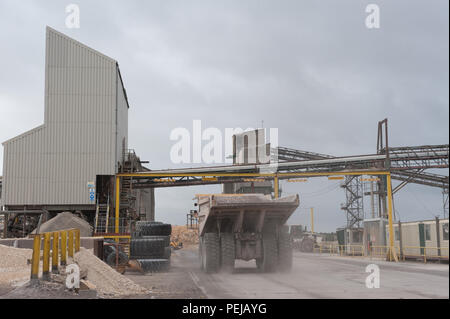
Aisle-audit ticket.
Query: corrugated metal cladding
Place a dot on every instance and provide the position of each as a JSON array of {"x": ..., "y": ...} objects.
[{"x": 85, "y": 123}]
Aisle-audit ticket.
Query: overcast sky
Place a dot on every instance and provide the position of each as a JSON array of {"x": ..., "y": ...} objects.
[{"x": 312, "y": 69}]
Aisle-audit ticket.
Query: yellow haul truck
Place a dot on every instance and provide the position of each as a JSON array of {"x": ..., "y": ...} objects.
[{"x": 245, "y": 226}]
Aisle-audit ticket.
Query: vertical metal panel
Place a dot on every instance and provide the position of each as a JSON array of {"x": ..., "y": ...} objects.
[
  {"x": 51, "y": 164},
  {"x": 122, "y": 119}
]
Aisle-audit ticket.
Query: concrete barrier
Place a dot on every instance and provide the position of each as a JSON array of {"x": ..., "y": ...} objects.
[{"x": 86, "y": 242}]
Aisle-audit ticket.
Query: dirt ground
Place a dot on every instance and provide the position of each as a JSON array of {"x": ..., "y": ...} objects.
[
  {"x": 176, "y": 283},
  {"x": 313, "y": 276}
]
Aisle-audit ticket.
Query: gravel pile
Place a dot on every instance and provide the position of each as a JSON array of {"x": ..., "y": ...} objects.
[
  {"x": 108, "y": 282},
  {"x": 13, "y": 265},
  {"x": 66, "y": 220},
  {"x": 186, "y": 235}
]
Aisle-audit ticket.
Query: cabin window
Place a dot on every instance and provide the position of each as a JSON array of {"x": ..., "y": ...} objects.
[
  {"x": 396, "y": 233},
  {"x": 427, "y": 232},
  {"x": 445, "y": 231}
]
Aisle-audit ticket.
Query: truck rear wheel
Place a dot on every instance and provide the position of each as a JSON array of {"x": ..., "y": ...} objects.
[
  {"x": 270, "y": 253},
  {"x": 211, "y": 252},
  {"x": 200, "y": 252},
  {"x": 227, "y": 252},
  {"x": 285, "y": 256}
]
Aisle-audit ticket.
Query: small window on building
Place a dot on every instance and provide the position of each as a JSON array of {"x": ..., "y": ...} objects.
[
  {"x": 396, "y": 233},
  {"x": 427, "y": 232},
  {"x": 445, "y": 231}
]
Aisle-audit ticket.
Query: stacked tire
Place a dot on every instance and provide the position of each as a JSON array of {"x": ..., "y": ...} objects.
[
  {"x": 110, "y": 254},
  {"x": 150, "y": 245}
]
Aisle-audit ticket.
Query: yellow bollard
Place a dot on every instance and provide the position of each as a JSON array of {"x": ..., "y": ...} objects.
[
  {"x": 46, "y": 257},
  {"x": 71, "y": 243},
  {"x": 64, "y": 248},
  {"x": 77, "y": 240},
  {"x": 35, "y": 258},
  {"x": 55, "y": 252}
]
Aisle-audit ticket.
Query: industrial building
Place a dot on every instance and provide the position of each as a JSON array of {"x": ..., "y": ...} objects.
[{"x": 67, "y": 163}]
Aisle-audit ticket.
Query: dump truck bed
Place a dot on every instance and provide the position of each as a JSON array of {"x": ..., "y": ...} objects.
[{"x": 258, "y": 208}]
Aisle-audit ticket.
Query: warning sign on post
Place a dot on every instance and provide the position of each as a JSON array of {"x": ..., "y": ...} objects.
[{"x": 91, "y": 189}]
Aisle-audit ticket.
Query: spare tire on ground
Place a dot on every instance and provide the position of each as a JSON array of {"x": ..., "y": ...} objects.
[
  {"x": 154, "y": 265},
  {"x": 165, "y": 239},
  {"x": 167, "y": 253},
  {"x": 111, "y": 259},
  {"x": 136, "y": 234},
  {"x": 143, "y": 248},
  {"x": 155, "y": 229},
  {"x": 143, "y": 223}
]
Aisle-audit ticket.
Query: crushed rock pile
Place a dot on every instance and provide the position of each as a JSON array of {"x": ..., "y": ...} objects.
[
  {"x": 107, "y": 281},
  {"x": 13, "y": 265},
  {"x": 66, "y": 220},
  {"x": 186, "y": 235}
]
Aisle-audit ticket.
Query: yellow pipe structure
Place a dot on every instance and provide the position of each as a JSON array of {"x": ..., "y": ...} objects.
[
  {"x": 35, "y": 258},
  {"x": 117, "y": 236},
  {"x": 276, "y": 177},
  {"x": 71, "y": 243},
  {"x": 46, "y": 257},
  {"x": 276, "y": 186},
  {"x": 392, "y": 252},
  {"x": 283, "y": 175},
  {"x": 64, "y": 248},
  {"x": 55, "y": 252},
  {"x": 77, "y": 240}
]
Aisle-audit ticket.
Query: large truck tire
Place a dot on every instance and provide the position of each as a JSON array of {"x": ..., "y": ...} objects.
[
  {"x": 270, "y": 253},
  {"x": 227, "y": 252},
  {"x": 143, "y": 223},
  {"x": 285, "y": 254},
  {"x": 307, "y": 245},
  {"x": 165, "y": 239},
  {"x": 154, "y": 265},
  {"x": 143, "y": 248},
  {"x": 155, "y": 229},
  {"x": 211, "y": 252},
  {"x": 136, "y": 234},
  {"x": 167, "y": 252},
  {"x": 111, "y": 259},
  {"x": 108, "y": 249}
]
